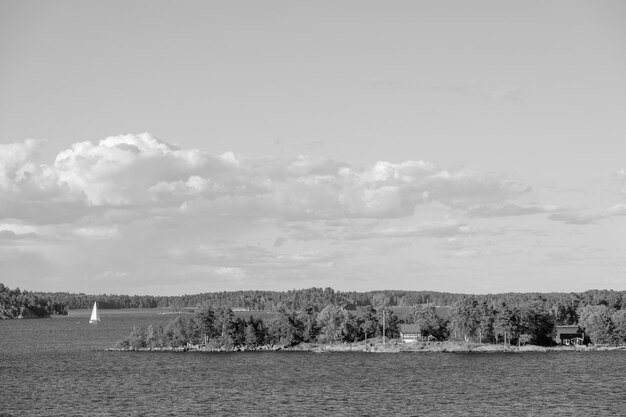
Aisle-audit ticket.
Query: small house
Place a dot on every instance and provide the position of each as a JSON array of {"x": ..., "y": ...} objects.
[
  {"x": 410, "y": 333},
  {"x": 569, "y": 335}
]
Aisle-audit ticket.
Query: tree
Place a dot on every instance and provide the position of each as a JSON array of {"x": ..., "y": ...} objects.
[
  {"x": 597, "y": 323},
  {"x": 619, "y": 326},
  {"x": 380, "y": 300},
  {"x": 505, "y": 321},
  {"x": 366, "y": 321},
  {"x": 224, "y": 318},
  {"x": 285, "y": 330},
  {"x": 486, "y": 320},
  {"x": 207, "y": 323},
  {"x": 154, "y": 335},
  {"x": 350, "y": 331},
  {"x": 255, "y": 332},
  {"x": 251, "y": 337},
  {"x": 180, "y": 331},
  {"x": 388, "y": 323},
  {"x": 308, "y": 318},
  {"x": 238, "y": 331},
  {"x": 137, "y": 338},
  {"x": 564, "y": 311},
  {"x": 537, "y": 324},
  {"x": 464, "y": 317},
  {"x": 331, "y": 323},
  {"x": 425, "y": 316}
]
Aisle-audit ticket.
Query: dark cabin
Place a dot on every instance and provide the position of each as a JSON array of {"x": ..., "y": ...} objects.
[{"x": 569, "y": 335}]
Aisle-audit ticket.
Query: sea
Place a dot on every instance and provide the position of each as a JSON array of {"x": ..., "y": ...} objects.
[{"x": 60, "y": 367}]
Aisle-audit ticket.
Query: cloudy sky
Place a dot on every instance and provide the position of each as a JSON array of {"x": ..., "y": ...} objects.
[{"x": 184, "y": 147}]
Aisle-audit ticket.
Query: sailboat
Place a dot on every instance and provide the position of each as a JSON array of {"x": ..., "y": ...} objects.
[{"x": 95, "y": 316}]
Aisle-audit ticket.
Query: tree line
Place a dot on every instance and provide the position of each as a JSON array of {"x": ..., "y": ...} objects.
[
  {"x": 15, "y": 303},
  {"x": 563, "y": 304}
]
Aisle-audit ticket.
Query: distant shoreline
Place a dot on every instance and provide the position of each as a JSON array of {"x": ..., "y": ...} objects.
[{"x": 376, "y": 346}]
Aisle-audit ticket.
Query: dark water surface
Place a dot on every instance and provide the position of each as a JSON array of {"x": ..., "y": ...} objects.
[{"x": 54, "y": 367}]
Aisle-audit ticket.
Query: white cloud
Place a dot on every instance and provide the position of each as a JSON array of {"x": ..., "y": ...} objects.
[
  {"x": 156, "y": 211},
  {"x": 18, "y": 228},
  {"x": 121, "y": 169},
  {"x": 141, "y": 171},
  {"x": 11, "y": 235}
]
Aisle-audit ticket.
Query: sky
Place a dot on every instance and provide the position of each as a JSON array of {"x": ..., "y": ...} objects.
[{"x": 169, "y": 148}]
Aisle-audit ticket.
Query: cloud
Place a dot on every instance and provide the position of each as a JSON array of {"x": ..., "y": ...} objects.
[
  {"x": 143, "y": 172},
  {"x": 619, "y": 175},
  {"x": 153, "y": 209},
  {"x": 119, "y": 170},
  {"x": 224, "y": 254},
  {"x": 11, "y": 235},
  {"x": 618, "y": 210},
  {"x": 280, "y": 241},
  {"x": 16, "y": 162},
  {"x": 576, "y": 217},
  {"x": 97, "y": 233},
  {"x": 507, "y": 210},
  {"x": 231, "y": 257},
  {"x": 230, "y": 272},
  {"x": 438, "y": 229}
]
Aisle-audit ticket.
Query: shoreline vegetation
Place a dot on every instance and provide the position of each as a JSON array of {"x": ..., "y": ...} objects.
[
  {"x": 17, "y": 304},
  {"x": 377, "y": 346}
]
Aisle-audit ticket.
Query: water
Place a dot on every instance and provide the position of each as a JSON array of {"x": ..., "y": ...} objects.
[{"x": 54, "y": 367}]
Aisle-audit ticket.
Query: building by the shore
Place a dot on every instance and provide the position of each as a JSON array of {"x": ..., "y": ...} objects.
[{"x": 569, "y": 335}]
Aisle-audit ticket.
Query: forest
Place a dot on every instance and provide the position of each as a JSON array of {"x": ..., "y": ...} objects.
[
  {"x": 260, "y": 300},
  {"x": 15, "y": 303}
]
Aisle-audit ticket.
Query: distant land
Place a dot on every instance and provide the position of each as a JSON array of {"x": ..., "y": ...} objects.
[
  {"x": 17, "y": 304},
  {"x": 261, "y": 300}
]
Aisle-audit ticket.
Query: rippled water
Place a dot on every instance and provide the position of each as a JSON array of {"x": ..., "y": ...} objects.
[{"x": 54, "y": 367}]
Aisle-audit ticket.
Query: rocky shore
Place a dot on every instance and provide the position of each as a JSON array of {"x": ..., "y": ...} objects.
[{"x": 377, "y": 346}]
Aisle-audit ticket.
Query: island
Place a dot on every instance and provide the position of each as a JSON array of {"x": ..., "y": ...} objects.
[{"x": 470, "y": 324}]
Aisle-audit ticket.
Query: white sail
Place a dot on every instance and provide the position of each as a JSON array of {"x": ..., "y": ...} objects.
[{"x": 95, "y": 317}]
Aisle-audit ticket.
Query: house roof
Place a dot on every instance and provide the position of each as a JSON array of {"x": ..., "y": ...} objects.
[
  {"x": 409, "y": 328},
  {"x": 567, "y": 329}
]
